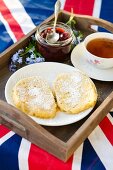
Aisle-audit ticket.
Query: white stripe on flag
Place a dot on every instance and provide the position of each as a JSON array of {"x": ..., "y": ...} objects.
[
  {"x": 76, "y": 164},
  {"x": 110, "y": 118},
  {"x": 97, "y": 8},
  {"x": 6, "y": 137},
  {"x": 23, "y": 154},
  {"x": 96, "y": 11},
  {"x": 18, "y": 12},
  {"x": 62, "y": 3},
  {"x": 8, "y": 28},
  {"x": 102, "y": 147}
]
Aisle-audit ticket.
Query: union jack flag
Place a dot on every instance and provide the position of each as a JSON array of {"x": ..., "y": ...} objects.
[{"x": 17, "y": 18}]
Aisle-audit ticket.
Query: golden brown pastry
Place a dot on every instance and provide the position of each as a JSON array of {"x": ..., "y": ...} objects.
[
  {"x": 33, "y": 96},
  {"x": 75, "y": 92}
]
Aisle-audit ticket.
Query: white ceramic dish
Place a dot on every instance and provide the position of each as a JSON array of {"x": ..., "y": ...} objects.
[
  {"x": 49, "y": 72},
  {"x": 80, "y": 62}
]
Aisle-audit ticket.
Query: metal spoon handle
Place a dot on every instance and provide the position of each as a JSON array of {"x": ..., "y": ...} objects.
[{"x": 57, "y": 9}]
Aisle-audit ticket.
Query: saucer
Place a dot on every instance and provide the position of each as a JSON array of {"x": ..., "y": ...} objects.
[{"x": 79, "y": 61}]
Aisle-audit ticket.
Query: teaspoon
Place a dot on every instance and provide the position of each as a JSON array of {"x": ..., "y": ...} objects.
[{"x": 53, "y": 37}]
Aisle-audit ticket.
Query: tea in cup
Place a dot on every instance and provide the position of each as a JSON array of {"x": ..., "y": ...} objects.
[{"x": 97, "y": 48}]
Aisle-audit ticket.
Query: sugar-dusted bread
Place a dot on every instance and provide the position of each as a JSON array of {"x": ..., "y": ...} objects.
[
  {"x": 33, "y": 96},
  {"x": 75, "y": 92}
]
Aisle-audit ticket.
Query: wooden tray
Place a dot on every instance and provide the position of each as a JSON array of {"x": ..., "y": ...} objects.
[{"x": 59, "y": 141}]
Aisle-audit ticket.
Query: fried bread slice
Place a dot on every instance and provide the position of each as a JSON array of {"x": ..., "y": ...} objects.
[
  {"x": 33, "y": 96},
  {"x": 75, "y": 92}
]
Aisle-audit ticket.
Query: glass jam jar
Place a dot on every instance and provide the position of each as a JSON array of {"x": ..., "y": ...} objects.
[{"x": 60, "y": 50}]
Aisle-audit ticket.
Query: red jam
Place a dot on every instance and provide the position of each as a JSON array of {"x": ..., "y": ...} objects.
[
  {"x": 53, "y": 52},
  {"x": 63, "y": 35}
]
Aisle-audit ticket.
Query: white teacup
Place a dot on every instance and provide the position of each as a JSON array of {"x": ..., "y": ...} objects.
[{"x": 103, "y": 63}]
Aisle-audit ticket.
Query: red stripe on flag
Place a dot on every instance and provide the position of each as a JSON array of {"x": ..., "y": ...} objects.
[
  {"x": 84, "y": 7},
  {"x": 3, "y": 131},
  {"x": 107, "y": 128},
  {"x": 14, "y": 26},
  {"x": 40, "y": 159}
]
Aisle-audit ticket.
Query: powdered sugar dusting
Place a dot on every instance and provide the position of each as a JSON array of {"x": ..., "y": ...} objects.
[
  {"x": 34, "y": 91},
  {"x": 40, "y": 98},
  {"x": 76, "y": 78},
  {"x": 22, "y": 93},
  {"x": 40, "y": 102},
  {"x": 74, "y": 97},
  {"x": 70, "y": 88}
]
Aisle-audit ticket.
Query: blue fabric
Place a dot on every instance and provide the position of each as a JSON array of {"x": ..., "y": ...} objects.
[
  {"x": 90, "y": 160},
  {"x": 105, "y": 13},
  {"x": 38, "y": 10},
  {"x": 9, "y": 152},
  {"x": 5, "y": 40}
]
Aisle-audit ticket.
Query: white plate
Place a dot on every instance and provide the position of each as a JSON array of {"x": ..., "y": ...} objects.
[
  {"x": 79, "y": 61},
  {"x": 47, "y": 71}
]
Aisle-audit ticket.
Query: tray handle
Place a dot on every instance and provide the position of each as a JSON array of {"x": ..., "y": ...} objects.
[
  {"x": 23, "y": 125},
  {"x": 11, "y": 123},
  {"x": 85, "y": 22},
  {"x": 12, "y": 118},
  {"x": 93, "y": 21}
]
